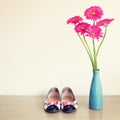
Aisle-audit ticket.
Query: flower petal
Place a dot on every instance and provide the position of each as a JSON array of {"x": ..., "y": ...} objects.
[
  {"x": 81, "y": 27},
  {"x": 104, "y": 22},
  {"x": 94, "y": 32},
  {"x": 93, "y": 13},
  {"x": 74, "y": 20}
]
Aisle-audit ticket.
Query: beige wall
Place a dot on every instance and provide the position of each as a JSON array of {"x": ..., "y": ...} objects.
[{"x": 39, "y": 50}]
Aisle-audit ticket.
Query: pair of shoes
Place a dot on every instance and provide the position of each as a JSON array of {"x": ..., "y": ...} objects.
[{"x": 66, "y": 102}]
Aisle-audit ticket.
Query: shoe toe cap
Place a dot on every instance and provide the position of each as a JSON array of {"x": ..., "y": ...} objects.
[
  {"x": 52, "y": 109},
  {"x": 68, "y": 108}
]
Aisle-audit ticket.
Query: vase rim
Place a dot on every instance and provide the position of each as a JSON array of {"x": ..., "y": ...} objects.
[{"x": 96, "y": 70}]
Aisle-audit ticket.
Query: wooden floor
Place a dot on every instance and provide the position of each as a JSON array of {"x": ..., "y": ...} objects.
[{"x": 31, "y": 108}]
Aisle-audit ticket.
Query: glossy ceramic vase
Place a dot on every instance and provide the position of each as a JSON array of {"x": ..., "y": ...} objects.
[{"x": 95, "y": 95}]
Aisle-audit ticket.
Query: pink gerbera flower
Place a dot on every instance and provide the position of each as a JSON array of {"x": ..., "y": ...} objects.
[
  {"x": 104, "y": 22},
  {"x": 94, "y": 32},
  {"x": 74, "y": 20},
  {"x": 81, "y": 27},
  {"x": 93, "y": 13},
  {"x": 86, "y": 31}
]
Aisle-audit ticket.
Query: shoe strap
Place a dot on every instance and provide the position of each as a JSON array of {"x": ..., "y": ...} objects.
[
  {"x": 47, "y": 104},
  {"x": 73, "y": 103}
]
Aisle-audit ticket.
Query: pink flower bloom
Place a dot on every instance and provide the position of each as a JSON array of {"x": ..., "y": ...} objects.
[
  {"x": 81, "y": 27},
  {"x": 93, "y": 13},
  {"x": 104, "y": 22},
  {"x": 94, "y": 32},
  {"x": 74, "y": 20}
]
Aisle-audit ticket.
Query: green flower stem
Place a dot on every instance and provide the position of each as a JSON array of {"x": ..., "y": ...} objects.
[
  {"x": 101, "y": 42},
  {"x": 94, "y": 53},
  {"x": 95, "y": 58},
  {"x": 87, "y": 49}
]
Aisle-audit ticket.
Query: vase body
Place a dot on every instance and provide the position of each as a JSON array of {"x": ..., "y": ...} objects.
[{"x": 95, "y": 95}]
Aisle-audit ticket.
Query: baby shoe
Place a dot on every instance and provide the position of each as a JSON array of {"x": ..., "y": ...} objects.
[
  {"x": 68, "y": 101},
  {"x": 52, "y": 101}
]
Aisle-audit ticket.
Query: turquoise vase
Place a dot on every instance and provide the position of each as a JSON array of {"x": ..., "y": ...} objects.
[{"x": 96, "y": 96}]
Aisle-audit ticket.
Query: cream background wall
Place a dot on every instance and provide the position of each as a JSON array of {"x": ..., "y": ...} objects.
[{"x": 39, "y": 50}]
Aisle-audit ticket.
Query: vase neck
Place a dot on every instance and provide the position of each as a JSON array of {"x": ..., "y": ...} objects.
[{"x": 96, "y": 71}]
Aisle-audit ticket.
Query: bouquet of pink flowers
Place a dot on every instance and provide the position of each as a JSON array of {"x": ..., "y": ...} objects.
[{"x": 96, "y": 31}]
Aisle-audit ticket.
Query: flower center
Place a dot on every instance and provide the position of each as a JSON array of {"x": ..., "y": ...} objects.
[
  {"x": 83, "y": 27},
  {"x": 93, "y": 33},
  {"x": 94, "y": 12}
]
